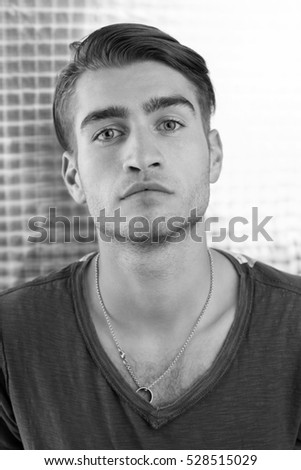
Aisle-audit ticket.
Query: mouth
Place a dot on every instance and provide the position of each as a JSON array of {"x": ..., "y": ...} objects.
[{"x": 145, "y": 188}]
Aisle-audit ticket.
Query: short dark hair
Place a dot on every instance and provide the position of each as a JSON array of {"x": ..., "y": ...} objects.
[{"x": 122, "y": 44}]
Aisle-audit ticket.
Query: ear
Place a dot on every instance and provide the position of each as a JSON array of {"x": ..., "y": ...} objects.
[
  {"x": 71, "y": 177},
  {"x": 216, "y": 155}
]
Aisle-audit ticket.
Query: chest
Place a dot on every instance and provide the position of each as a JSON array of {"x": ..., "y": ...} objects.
[{"x": 168, "y": 373}]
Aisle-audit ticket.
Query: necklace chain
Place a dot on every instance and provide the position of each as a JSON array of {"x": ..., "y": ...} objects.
[{"x": 182, "y": 349}]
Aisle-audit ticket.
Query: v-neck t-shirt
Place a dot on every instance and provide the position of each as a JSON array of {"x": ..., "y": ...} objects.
[{"x": 60, "y": 390}]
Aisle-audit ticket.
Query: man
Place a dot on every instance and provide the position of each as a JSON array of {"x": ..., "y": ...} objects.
[{"x": 158, "y": 342}]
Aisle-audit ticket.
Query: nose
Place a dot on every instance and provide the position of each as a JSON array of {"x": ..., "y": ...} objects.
[{"x": 141, "y": 152}]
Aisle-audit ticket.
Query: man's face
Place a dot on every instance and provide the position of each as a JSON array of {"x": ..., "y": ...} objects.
[{"x": 140, "y": 142}]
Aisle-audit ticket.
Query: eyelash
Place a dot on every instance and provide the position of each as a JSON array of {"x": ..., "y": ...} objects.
[
  {"x": 179, "y": 123},
  {"x": 106, "y": 130},
  {"x": 171, "y": 131}
]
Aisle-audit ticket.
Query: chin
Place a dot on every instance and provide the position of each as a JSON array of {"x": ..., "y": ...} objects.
[{"x": 153, "y": 233}]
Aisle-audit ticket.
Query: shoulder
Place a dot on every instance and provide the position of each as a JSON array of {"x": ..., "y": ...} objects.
[
  {"x": 271, "y": 299},
  {"x": 265, "y": 275},
  {"x": 42, "y": 285},
  {"x": 275, "y": 278},
  {"x": 38, "y": 297},
  {"x": 273, "y": 296}
]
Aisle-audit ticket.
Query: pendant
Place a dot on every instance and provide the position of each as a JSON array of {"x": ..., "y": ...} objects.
[{"x": 145, "y": 393}]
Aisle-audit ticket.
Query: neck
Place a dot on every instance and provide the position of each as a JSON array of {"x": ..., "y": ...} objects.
[{"x": 152, "y": 286}]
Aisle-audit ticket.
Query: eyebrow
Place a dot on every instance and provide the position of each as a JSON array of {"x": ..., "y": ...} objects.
[
  {"x": 161, "y": 102},
  {"x": 152, "y": 105},
  {"x": 107, "y": 113}
]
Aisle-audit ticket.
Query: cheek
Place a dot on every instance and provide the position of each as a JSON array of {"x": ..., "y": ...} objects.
[
  {"x": 96, "y": 162},
  {"x": 99, "y": 185},
  {"x": 193, "y": 158},
  {"x": 91, "y": 169}
]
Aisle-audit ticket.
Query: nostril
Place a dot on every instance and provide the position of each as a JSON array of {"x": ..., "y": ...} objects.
[{"x": 134, "y": 168}]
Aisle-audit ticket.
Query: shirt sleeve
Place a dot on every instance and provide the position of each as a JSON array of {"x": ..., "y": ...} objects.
[{"x": 9, "y": 433}]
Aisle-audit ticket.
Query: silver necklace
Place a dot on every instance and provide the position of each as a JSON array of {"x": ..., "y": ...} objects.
[{"x": 142, "y": 388}]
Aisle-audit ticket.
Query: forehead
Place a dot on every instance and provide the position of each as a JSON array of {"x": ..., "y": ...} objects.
[{"x": 129, "y": 86}]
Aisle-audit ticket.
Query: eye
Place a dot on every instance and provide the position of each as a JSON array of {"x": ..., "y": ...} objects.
[
  {"x": 106, "y": 135},
  {"x": 170, "y": 125}
]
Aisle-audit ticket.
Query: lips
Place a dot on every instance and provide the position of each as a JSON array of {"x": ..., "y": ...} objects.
[{"x": 145, "y": 186}]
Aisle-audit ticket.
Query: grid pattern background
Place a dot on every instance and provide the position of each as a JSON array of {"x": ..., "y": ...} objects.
[{"x": 34, "y": 38}]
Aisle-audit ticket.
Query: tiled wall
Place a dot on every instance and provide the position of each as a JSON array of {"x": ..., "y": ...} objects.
[{"x": 34, "y": 38}]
